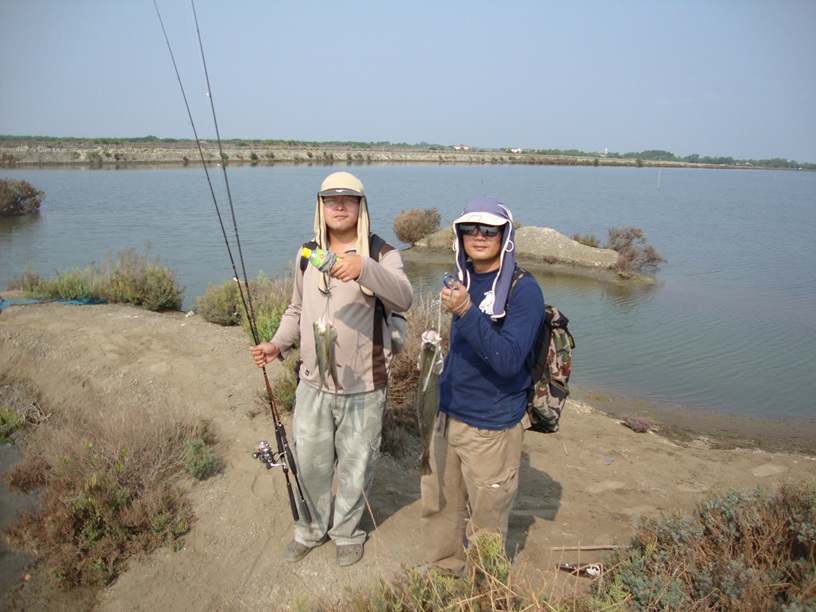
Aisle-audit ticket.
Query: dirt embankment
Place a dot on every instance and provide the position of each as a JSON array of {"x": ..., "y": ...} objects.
[
  {"x": 585, "y": 486},
  {"x": 26, "y": 153}
]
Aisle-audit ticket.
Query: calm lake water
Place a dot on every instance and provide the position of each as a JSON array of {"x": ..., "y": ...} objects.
[{"x": 729, "y": 325}]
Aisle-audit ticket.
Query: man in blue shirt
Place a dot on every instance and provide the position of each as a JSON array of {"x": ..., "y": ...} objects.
[{"x": 476, "y": 443}]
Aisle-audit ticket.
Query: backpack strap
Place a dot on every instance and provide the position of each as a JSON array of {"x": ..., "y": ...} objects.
[{"x": 518, "y": 274}]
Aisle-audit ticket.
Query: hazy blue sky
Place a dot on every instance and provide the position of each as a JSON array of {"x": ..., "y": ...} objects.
[{"x": 721, "y": 78}]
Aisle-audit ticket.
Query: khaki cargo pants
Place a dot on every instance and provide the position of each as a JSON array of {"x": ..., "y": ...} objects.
[{"x": 473, "y": 471}]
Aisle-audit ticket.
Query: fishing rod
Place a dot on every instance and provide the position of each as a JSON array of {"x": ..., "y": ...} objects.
[{"x": 283, "y": 457}]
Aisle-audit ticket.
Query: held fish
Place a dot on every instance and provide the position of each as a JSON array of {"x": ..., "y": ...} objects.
[
  {"x": 325, "y": 338},
  {"x": 430, "y": 366}
]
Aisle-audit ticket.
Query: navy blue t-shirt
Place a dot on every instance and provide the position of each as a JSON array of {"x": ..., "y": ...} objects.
[{"x": 485, "y": 378}]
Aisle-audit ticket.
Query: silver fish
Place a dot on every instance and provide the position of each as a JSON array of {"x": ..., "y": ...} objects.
[
  {"x": 325, "y": 338},
  {"x": 430, "y": 367}
]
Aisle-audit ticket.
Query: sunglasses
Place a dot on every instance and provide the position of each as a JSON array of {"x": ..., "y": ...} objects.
[{"x": 470, "y": 229}]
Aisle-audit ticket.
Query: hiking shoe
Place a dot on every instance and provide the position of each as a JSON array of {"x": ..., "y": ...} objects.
[
  {"x": 349, "y": 554},
  {"x": 295, "y": 551}
]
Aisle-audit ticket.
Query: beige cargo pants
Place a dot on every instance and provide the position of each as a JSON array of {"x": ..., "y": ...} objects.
[{"x": 471, "y": 489}]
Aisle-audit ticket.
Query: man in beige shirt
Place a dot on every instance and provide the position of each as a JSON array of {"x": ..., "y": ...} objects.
[{"x": 340, "y": 424}]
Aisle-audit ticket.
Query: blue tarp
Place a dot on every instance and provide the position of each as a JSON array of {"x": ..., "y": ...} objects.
[{"x": 85, "y": 302}]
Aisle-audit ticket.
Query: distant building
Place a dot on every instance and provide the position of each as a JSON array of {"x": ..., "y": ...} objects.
[
  {"x": 516, "y": 150},
  {"x": 461, "y": 147}
]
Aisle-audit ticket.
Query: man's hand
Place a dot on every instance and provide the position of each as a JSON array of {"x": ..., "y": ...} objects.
[
  {"x": 455, "y": 298},
  {"x": 347, "y": 268},
  {"x": 264, "y": 353}
]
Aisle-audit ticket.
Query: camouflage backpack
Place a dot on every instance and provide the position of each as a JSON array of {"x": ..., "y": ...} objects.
[{"x": 550, "y": 363}]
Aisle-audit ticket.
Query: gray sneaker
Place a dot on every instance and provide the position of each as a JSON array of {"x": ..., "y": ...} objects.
[
  {"x": 349, "y": 554},
  {"x": 295, "y": 551}
]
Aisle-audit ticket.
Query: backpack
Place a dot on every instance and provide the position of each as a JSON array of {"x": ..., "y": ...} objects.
[
  {"x": 550, "y": 363},
  {"x": 394, "y": 321}
]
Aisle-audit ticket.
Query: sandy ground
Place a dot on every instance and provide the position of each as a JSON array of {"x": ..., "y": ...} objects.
[{"x": 583, "y": 487}]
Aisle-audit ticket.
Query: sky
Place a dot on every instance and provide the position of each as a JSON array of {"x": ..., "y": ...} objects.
[{"x": 710, "y": 77}]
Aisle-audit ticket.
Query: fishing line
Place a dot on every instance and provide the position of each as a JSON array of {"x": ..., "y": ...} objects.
[{"x": 284, "y": 457}]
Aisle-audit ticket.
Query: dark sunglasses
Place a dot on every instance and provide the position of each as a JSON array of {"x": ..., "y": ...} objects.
[{"x": 470, "y": 229}]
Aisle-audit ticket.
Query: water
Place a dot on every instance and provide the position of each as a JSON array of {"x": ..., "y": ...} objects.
[{"x": 728, "y": 326}]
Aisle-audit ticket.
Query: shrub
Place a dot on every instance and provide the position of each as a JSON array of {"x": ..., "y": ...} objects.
[
  {"x": 219, "y": 304},
  {"x": 109, "y": 488},
  {"x": 199, "y": 458},
  {"x": 69, "y": 285},
  {"x": 284, "y": 385},
  {"x": 633, "y": 251},
  {"x": 415, "y": 224},
  {"x": 19, "y": 198},
  {"x": 270, "y": 298},
  {"x": 735, "y": 551},
  {"x": 133, "y": 279}
]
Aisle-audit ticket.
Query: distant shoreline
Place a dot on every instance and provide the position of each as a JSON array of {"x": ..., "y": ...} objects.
[{"x": 47, "y": 153}]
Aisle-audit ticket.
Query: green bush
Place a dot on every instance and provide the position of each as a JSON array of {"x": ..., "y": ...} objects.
[
  {"x": 132, "y": 279},
  {"x": 135, "y": 279},
  {"x": 220, "y": 304},
  {"x": 284, "y": 385},
  {"x": 736, "y": 551},
  {"x": 69, "y": 285},
  {"x": 199, "y": 458},
  {"x": 225, "y": 305}
]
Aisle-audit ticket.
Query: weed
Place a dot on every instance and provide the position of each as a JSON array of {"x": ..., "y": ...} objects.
[
  {"x": 200, "y": 458},
  {"x": 590, "y": 240},
  {"x": 28, "y": 281},
  {"x": 485, "y": 586}
]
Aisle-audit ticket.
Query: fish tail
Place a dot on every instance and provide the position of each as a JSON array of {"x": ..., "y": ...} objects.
[{"x": 425, "y": 464}]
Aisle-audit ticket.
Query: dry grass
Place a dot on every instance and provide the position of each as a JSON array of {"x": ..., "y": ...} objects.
[
  {"x": 19, "y": 408},
  {"x": 109, "y": 486}
]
